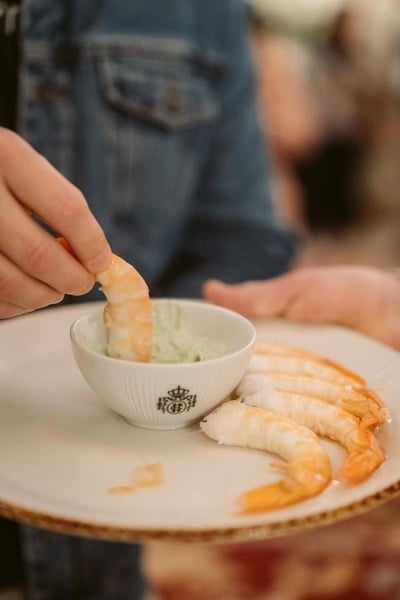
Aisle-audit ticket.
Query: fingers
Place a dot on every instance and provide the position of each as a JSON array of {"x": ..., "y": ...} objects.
[
  {"x": 44, "y": 191},
  {"x": 11, "y": 310},
  {"x": 35, "y": 270},
  {"x": 36, "y": 252},
  {"x": 348, "y": 296},
  {"x": 310, "y": 295},
  {"x": 20, "y": 293},
  {"x": 362, "y": 298},
  {"x": 254, "y": 299},
  {"x": 230, "y": 296}
]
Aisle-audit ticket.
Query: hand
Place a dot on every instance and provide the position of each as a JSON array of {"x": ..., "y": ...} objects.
[
  {"x": 363, "y": 298},
  {"x": 35, "y": 270}
]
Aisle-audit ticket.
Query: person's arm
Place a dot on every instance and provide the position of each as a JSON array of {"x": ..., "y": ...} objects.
[
  {"x": 35, "y": 270},
  {"x": 366, "y": 299},
  {"x": 232, "y": 233}
]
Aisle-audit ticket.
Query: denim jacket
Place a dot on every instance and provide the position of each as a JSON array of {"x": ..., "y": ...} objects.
[{"x": 148, "y": 106}]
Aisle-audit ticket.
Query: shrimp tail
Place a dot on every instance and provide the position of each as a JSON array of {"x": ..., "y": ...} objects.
[
  {"x": 365, "y": 456},
  {"x": 307, "y": 468},
  {"x": 305, "y": 478},
  {"x": 270, "y": 497},
  {"x": 367, "y": 411},
  {"x": 370, "y": 421}
]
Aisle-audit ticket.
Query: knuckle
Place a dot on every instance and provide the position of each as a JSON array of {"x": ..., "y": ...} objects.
[
  {"x": 71, "y": 206},
  {"x": 8, "y": 286},
  {"x": 98, "y": 244},
  {"x": 39, "y": 257}
]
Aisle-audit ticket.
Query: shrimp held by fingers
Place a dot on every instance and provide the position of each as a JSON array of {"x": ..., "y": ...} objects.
[
  {"x": 128, "y": 313},
  {"x": 362, "y": 402},
  {"x": 328, "y": 420},
  {"x": 307, "y": 471}
]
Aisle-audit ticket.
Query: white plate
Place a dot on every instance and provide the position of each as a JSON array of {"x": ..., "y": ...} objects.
[{"x": 61, "y": 451}]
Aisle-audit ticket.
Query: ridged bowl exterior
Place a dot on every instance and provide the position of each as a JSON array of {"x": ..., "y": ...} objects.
[{"x": 165, "y": 396}]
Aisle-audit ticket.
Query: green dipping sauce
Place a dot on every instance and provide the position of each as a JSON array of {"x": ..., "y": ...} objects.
[{"x": 174, "y": 343}]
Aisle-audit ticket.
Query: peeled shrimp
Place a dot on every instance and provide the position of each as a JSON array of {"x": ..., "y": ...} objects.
[
  {"x": 128, "y": 313},
  {"x": 328, "y": 420},
  {"x": 307, "y": 471},
  {"x": 263, "y": 347},
  {"x": 296, "y": 364},
  {"x": 362, "y": 402}
]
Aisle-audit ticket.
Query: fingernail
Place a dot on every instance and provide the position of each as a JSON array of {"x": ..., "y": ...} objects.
[{"x": 57, "y": 299}]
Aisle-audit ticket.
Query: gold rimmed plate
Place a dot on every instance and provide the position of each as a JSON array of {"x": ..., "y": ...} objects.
[{"x": 66, "y": 461}]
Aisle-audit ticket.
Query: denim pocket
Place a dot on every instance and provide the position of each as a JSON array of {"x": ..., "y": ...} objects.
[
  {"x": 159, "y": 100},
  {"x": 168, "y": 87}
]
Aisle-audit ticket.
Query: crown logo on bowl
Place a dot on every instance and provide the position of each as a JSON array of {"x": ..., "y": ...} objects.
[{"x": 178, "y": 401}]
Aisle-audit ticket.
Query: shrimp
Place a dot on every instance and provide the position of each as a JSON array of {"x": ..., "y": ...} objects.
[
  {"x": 297, "y": 365},
  {"x": 365, "y": 455},
  {"x": 263, "y": 347},
  {"x": 307, "y": 471},
  {"x": 362, "y": 402},
  {"x": 328, "y": 420},
  {"x": 128, "y": 313}
]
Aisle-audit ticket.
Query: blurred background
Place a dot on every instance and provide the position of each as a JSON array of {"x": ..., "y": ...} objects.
[{"x": 329, "y": 94}]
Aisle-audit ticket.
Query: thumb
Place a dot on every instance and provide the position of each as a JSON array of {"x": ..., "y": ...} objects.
[{"x": 257, "y": 299}]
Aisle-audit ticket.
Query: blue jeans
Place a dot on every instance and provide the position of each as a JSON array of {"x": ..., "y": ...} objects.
[{"x": 63, "y": 567}]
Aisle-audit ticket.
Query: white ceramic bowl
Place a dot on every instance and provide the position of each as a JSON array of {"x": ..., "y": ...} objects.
[{"x": 159, "y": 395}]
